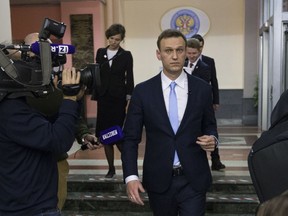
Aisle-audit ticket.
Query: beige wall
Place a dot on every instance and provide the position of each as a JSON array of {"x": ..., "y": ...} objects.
[
  {"x": 224, "y": 41},
  {"x": 6, "y": 35}
]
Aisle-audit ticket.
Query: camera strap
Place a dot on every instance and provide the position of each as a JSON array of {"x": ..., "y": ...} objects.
[
  {"x": 46, "y": 61},
  {"x": 6, "y": 65},
  {"x": 71, "y": 89}
]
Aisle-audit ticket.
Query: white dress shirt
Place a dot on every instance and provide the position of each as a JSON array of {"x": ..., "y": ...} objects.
[
  {"x": 181, "y": 90},
  {"x": 189, "y": 69}
]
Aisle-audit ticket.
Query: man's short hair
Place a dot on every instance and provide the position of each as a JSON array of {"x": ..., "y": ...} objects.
[
  {"x": 170, "y": 33},
  {"x": 198, "y": 37},
  {"x": 193, "y": 43}
]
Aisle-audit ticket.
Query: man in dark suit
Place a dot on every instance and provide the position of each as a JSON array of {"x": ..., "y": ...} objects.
[
  {"x": 214, "y": 81},
  {"x": 193, "y": 64},
  {"x": 176, "y": 172},
  {"x": 215, "y": 157}
]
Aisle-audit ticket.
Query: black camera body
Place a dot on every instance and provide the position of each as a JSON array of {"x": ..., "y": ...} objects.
[
  {"x": 32, "y": 76},
  {"x": 9, "y": 86},
  {"x": 90, "y": 76}
]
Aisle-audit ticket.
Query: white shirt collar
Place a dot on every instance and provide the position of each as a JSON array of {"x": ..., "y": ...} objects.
[{"x": 180, "y": 81}]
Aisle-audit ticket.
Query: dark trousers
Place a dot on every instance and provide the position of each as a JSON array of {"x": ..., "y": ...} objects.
[
  {"x": 46, "y": 212},
  {"x": 215, "y": 154},
  {"x": 179, "y": 200},
  {"x": 52, "y": 212}
]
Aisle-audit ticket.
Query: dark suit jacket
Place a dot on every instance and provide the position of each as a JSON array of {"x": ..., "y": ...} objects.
[
  {"x": 214, "y": 82},
  {"x": 201, "y": 70},
  {"x": 147, "y": 108},
  {"x": 280, "y": 111},
  {"x": 116, "y": 80}
]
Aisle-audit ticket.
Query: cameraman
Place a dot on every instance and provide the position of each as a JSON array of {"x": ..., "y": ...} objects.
[
  {"x": 49, "y": 107},
  {"x": 28, "y": 145}
]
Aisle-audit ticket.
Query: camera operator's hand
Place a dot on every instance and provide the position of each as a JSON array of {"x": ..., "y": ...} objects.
[
  {"x": 70, "y": 78},
  {"x": 91, "y": 141}
]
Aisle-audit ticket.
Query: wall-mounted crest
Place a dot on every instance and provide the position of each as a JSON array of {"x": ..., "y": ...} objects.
[{"x": 188, "y": 20}]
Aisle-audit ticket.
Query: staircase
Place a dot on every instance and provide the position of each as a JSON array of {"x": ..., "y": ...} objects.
[{"x": 93, "y": 195}]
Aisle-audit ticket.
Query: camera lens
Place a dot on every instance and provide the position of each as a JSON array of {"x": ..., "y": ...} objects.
[
  {"x": 90, "y": 76},
  {"x": 86, "y": 77}
]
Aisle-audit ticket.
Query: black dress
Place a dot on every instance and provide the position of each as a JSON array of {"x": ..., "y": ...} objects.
[{"x": 117, "y": 82}]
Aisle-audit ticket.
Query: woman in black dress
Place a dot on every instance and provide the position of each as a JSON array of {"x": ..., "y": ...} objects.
[{"x": 117, "y": 84}]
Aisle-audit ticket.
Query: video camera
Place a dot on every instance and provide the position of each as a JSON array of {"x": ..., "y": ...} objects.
[{"x": 32, "y": 76}]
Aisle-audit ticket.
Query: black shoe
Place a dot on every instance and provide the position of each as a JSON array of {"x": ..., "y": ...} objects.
[
  {"x": 217, "y": 165},
  {"x": 110, "y": 174}
]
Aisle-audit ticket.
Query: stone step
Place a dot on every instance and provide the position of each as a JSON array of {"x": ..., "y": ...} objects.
[
  {"x": 103, "y": 202},
  {"x": 97, "y": 183},
  {"x": 232, "y": 184},
  {"x": 91, "y": 194},
  {"x": 109, "y": 213}
]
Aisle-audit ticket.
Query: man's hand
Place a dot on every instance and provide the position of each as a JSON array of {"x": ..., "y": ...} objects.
[
  {"x": 91, "y": 141},
  {"x": 70, "y": 77},
  {"x": 133, "y": 188},
  {"x": 216, "y": 107},
  {"x": 207, "y": 143}
]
